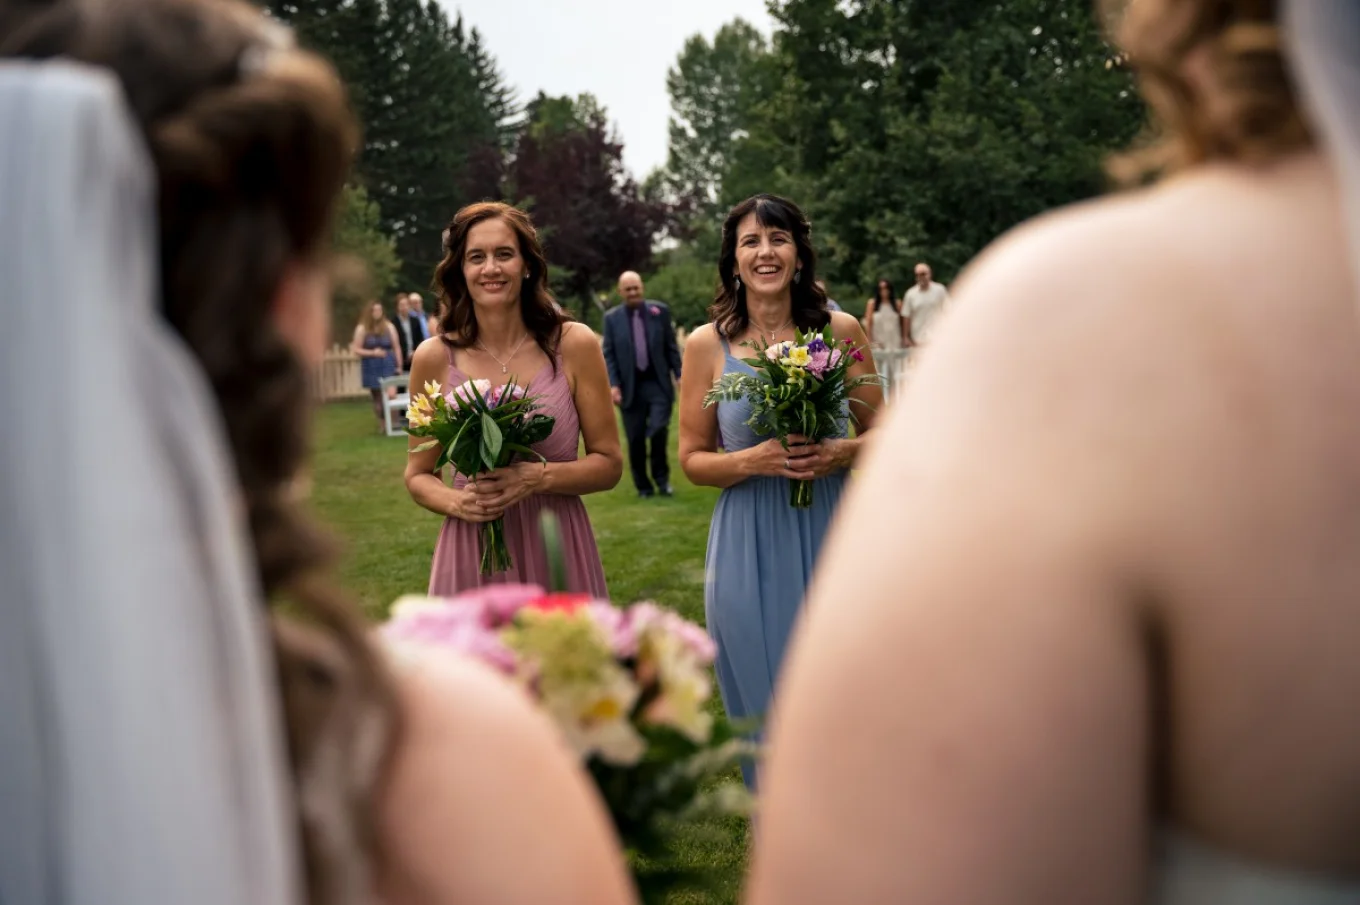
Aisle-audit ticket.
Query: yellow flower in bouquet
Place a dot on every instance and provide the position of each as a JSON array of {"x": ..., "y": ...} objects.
[
  {"x": 580, "y": 682},
  {"x": 684, "y": 686}
]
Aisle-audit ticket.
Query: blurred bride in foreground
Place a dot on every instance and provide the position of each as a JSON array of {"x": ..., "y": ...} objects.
[
  {"x": 168, "y": 173},
  {"x": 1118, "y": 664}
]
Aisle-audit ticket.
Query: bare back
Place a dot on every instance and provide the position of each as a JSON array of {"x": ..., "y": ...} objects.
[
  {"x": 1106, "y": 561},
  {"x": 1254, "y": 547}
]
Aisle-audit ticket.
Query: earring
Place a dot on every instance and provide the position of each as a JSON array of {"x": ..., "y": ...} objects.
[
  {"x": 737, "y": 283},
  {"x": 797, "y": 275}
]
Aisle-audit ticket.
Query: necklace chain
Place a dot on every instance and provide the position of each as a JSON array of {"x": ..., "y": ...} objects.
[
  {"x": 505, "y": 365},
  {"x": 770, "y": 334}
]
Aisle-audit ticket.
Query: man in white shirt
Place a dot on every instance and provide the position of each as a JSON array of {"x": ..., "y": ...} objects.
[{"x": 922, "y": 304}]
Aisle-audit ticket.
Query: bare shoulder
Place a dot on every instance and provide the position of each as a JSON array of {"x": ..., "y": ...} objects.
[
  {"x": 578, "y": 337},
  {"x": 846, "y": 326},
  {"x": 704, "y": 340},
  {"x": 1183, "y": 242},
  {"x": 481, "y": 772},
  {"x": 430, "y": 355}
]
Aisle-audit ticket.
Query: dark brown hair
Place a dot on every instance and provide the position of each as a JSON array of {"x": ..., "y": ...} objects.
[
  {"x": 893, "y": 300},
  {"x": 251, "y": 144},
  {"x": 541, "y": 313},
  {"x": 1243, "y": 108},
  {"x": 728, "y": 311}
]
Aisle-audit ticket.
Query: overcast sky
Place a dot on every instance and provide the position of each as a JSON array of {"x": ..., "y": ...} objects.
[{"x": 618, "y": 50}]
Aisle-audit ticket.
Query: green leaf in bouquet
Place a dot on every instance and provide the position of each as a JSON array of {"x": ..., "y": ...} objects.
[
  {"x": 491, "y": 442},
  {"x": 551, "y": 529},
  {"x": 536, "y": 429},
  {"x": 429, "y": 444},
  {"x": 525, "y": 451}
]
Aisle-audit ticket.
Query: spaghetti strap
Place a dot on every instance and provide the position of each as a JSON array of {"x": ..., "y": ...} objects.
[{"x": 448, "y": 350}]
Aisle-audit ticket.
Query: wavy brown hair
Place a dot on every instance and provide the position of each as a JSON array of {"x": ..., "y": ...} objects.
[
  {"x": 252, "y": 144},
  {"x": 370, "y": 323},
  {"x": 1240, "y": 104},
  {"x": 728, "y": 311},
  {"x": 542, "y": 315}
]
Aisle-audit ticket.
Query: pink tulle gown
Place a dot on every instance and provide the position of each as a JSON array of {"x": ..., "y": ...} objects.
[{"x": 456, "y": 555}]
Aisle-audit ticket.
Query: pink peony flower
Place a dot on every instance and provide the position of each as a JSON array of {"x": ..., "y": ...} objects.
[
  {"x": 617, "y": 626},
  {"x": 499, "y": 394},
  {"x": 647, "y": 616},
  {"x": 835, "y": 358},
  {"x": 655, "y": 310},
  {"x": 820, "y": 363},
  {"x": 463, "y": 393},
  {"x": 451, "y": 624},
  {"x": 503, "y": 601}
]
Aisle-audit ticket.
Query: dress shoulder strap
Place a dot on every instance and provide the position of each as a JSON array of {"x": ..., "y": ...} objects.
[{"x": 448, "y": 352}]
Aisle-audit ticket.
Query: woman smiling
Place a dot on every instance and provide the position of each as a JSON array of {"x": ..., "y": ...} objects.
[
  {"x": 500, "y": 322},
  {"x": 760, "y": 550}
]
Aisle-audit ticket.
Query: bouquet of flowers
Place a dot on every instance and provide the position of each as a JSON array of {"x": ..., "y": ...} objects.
[
  {"x": 629, "y": 687},
  {"x": 479, "y": 428},
  {"x": 800, "y": 387}
]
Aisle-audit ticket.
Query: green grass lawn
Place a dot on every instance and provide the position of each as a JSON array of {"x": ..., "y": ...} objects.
[{"x": 652, "y": 549}]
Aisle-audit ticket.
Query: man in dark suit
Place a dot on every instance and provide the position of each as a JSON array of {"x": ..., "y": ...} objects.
[
  {"x": 402, "y": 321},
  {"x": 644, "y": 362}
]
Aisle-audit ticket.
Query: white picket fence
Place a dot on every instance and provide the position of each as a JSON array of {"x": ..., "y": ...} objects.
[{"x": 338, "y": 376}]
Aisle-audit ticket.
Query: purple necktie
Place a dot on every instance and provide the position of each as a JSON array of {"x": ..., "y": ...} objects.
[{"x": 640, "y": 340}]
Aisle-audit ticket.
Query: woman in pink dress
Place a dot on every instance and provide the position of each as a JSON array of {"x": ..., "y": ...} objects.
[{"x": 500, "y": 321}]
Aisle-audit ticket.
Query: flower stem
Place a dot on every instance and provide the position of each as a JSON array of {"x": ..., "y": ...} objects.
[{"x": 495, "y": 554}]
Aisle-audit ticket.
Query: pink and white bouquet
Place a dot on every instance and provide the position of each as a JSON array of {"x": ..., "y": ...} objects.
[
  {"x": 630, "y": 689},
  {"x": 479, "y": 428},
  {"x": 800, "y": 386}
]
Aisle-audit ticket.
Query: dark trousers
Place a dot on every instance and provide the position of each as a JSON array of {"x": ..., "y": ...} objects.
[{"x": 646, "y": 420}]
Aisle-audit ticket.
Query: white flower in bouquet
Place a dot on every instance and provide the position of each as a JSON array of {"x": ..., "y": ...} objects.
[
  {"x": 594, "y": 717},
  {"x": 579, "y": 681},
  {"x": 684, "y": 687}
]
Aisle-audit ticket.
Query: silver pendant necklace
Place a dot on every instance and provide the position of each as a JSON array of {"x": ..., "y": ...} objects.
[
  {"x": 505, "y": 365},
  {"x": 770, "y": 334}
]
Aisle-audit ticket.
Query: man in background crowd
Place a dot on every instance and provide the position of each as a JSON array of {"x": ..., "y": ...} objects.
[
  {"x": 643, "y": 359},
  {"x": 401, "y": 319},
  {"x": 922, "y": 305},
  {"x": 420, "y": 319}
]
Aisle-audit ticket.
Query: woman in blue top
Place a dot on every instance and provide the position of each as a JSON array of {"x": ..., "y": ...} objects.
[{"x": 761, "y": 551}]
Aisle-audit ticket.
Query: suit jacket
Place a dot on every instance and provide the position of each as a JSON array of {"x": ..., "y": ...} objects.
[
  {"x": 663, "y": 352},
  {"x": 420, "y": 330},
  {"x": 406, "y": 347}
]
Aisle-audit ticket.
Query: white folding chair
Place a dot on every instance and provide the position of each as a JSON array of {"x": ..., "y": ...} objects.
[{"x": 394, "y": 407}]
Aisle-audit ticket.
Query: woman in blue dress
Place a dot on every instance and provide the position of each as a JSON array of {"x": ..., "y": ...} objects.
[
  {"x": 761, "y": 551},
  {"x": 375, "y": 342}
]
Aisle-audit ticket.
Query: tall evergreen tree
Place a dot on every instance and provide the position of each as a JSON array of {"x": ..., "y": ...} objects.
[
  {"x": 433, "y": 138},
  {"x": 568, "y": 170},
  {"x": 908, "y": 128}
]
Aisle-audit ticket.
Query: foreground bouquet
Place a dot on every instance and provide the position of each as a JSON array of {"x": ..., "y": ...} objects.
[
  {"x": 799, "y": 387},
  {"x": 479, "y": 428},
  {"x": 628, "y": 687}
]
